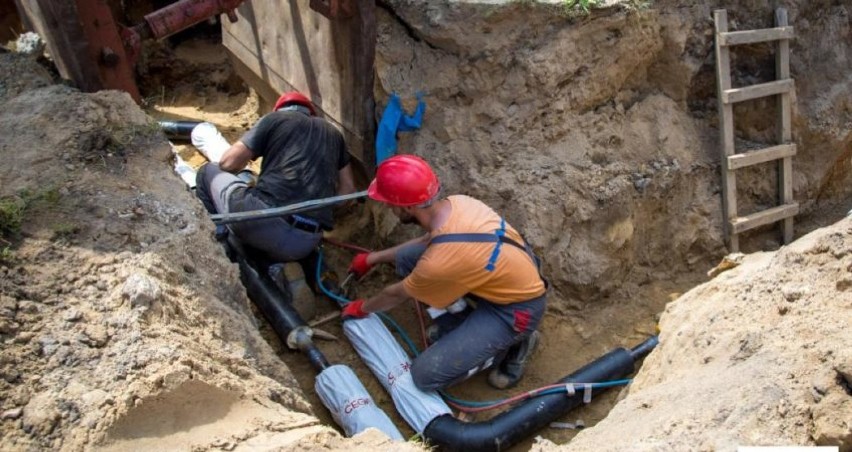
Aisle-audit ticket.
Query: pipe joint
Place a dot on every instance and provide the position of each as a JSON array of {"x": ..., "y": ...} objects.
[{"x": 301, "y": 338}]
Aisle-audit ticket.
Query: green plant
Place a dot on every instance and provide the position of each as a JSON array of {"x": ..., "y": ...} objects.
[
  {"x": 64, "y": 231},
  {"x": 7, "y": 256},
  {"x": 13, "y": 208},
  {"x": 11, "y": 215},
  {"x": 583, "y": 5}
]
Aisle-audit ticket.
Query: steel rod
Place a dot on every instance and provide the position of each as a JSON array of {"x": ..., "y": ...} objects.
[{"x": 235, "y": 217}]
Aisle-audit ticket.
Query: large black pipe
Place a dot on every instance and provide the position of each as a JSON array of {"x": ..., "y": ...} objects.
[
  {"x": 274, "y": 306},
  {"x": 178, "y": 130},
  {"x": 520, "y": 422}
]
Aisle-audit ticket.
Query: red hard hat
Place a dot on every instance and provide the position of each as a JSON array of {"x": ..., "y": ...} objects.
[
  {"x": 294, "y": 97},
  {"x": 404, "y": 181}
]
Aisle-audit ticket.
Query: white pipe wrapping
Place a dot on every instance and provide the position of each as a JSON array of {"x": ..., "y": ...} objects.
[
  {"x": 350, "y": 404},
  {"x": 390, "y": 364}
]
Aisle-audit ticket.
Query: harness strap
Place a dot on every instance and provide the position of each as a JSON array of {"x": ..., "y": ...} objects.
[{"x": 498, "y": 238}]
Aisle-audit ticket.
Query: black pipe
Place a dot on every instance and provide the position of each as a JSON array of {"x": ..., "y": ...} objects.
[
  {"x": 178, "y": 130},
  {"x": 274, "y": 305},
  {"x": 640, "y": 351},
  {"x": 510, "y": 427}
]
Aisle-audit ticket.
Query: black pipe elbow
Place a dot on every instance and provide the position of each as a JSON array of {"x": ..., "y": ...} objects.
[{"x": 510, "y": 427}]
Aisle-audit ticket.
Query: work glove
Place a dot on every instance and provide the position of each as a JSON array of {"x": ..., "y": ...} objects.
[
  {"x": 353, "y": 310},
  {"x": 359, "y": 266}
]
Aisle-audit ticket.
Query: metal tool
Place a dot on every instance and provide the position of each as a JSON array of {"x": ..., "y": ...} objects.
[
  {"x": 346, "y": 281},
  {"x": 304, "y": 206}
]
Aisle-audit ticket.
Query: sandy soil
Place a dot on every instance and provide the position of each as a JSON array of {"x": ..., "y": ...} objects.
[
  {"x": 629, "y": 323},
  {"x": 124, "y": 327}
]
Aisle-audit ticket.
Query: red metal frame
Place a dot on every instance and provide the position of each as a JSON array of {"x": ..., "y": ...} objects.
[
  {"x": 115, "y": 48},
  {"x": 106, "y": 47},
  {"x": 186, "y": 13},
  {"x": 334, "y": 9}
]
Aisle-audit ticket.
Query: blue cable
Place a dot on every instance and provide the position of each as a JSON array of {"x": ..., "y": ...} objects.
[
  {"x": 414, "y": 351},
  {"x": 343, "y": 301}
]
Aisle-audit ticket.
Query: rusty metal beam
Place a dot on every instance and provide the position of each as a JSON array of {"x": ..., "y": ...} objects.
[
  {"x": 183, "y": 14},
  {"x": 334, "y": 9},
  {"x": 106, "y": 47}
]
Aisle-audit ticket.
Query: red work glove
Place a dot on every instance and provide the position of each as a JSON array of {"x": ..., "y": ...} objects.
[
  {"x": 359, "y": 266},
  {"x": 353, "y": 310}
]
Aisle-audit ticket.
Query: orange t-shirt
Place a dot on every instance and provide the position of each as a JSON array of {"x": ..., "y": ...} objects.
[{"x": 447, "y": 271}]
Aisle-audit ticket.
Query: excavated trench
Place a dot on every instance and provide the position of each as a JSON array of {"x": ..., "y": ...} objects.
[
  {"x": 595, "y": 135},
  {"x": 573, "y": 336},
  {"x": 660, "y": 236}
]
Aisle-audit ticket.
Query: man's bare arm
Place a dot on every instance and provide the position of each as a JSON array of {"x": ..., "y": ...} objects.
[
  {"x": 389, "y": 297},
  {"x": 387, "y": 256},
  {"x": 345, "y": 180},
  {"x": 235, "y": 158}
]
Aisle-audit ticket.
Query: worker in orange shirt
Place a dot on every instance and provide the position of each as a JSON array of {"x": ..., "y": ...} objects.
[{"x": 469, "y": 256}]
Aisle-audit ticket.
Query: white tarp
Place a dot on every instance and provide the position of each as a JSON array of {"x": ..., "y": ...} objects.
[
  {"x": 349, "y": 402},
  {"x": 390, "y": 364}
]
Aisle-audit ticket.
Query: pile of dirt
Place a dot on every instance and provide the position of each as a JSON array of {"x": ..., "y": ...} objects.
[
  {"x": 123, "y": 324},
  {"x": 758, "y": 356}
]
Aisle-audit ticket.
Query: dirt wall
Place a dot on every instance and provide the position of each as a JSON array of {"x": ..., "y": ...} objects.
[
  {"x": 757, "y": 356},
  {"x": 597, "y": 135},
  {"x": 123, "y": 324}
]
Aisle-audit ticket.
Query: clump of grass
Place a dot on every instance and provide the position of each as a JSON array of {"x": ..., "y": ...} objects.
[
  {"x": 573, "y": 8},
  {"x": 584, "y": 6},
  {"x": 11, "y": 215},
  {"x": 64, "y": 231},
  {"x": 7, "y": 256},
  {"x": 14, "y": 208}
]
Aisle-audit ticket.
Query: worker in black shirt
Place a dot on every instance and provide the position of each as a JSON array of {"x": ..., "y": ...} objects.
[{"x": 304, "y": 158}]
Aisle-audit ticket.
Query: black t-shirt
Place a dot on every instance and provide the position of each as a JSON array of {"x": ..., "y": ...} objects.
[{"x": 301, "y": 159}]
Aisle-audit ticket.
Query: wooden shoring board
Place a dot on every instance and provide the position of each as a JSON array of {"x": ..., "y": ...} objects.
[
  {"x": 280, "y": 45},
  {"x": 59, "y": 24}
]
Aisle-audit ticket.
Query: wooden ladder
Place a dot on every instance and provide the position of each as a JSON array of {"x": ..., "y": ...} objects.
[{"x": 783, "y": 152}]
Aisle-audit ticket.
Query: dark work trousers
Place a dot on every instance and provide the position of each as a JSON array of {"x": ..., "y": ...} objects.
[
  {"x": 223, "y": 192},
  {"x": 482, "y": 338}
]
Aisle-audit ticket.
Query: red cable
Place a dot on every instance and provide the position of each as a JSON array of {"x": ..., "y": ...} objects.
[
  {"x": 420, "y": 317},
  {"x": 345, "y": 245},
  {"x": 513, "y": 399}
]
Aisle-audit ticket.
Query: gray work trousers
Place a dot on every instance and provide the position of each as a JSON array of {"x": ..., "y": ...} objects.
[
  {"x": 480, "y": 340},
  {"x": 223, "y": 192}
]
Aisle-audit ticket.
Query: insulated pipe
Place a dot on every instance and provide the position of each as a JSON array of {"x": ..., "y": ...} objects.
[
  {"x": 510, "y": 427},
  {"x": 178, "y": 130},
  {"x": 337, "y": 386},
  {"x": 283, "y": 318}
]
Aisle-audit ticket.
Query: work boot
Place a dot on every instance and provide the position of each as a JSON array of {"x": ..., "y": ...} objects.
[
  {"x": 290, "y": 278},
  {"x": 509, "y": 372}
]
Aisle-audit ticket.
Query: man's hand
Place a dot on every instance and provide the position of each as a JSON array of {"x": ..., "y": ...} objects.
[
  {"x": 353, "y": 310},
  {"x": 359, "y": 266}
]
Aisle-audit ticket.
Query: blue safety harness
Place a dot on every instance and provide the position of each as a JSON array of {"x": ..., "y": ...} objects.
[{"x": 498, "y": 238}]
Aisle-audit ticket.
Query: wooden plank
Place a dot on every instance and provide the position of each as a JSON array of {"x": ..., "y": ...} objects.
[
  {"x": 733, "y": 38},
  {"x": 742, "y": 224},
  {"x": 769, "y": 154},
  {"x": 289, "y": 46},
  {"x": 731, "y": 96},
  {"x": 726, "y": 130},
  {"x": 785, "y": 128},
  {"x": 58, "y": 23},
  {"x": 786, "y": 174}
]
